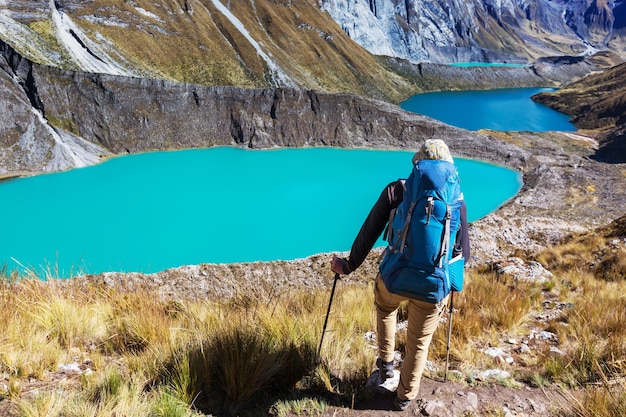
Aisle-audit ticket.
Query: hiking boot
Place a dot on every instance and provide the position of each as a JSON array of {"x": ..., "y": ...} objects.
[
  {"x": 400, "y": 405},
  {"x": 385, "y": 369}
]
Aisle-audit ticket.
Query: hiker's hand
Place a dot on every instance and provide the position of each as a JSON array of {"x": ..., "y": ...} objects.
[{"x": 339, "y": 266}]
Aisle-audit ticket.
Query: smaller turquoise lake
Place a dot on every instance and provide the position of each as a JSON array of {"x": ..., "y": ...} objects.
[
  {"x": 149, "y": 212},
  {"x": 488, "y": 64},
  {"x": 509, "y": 109}
]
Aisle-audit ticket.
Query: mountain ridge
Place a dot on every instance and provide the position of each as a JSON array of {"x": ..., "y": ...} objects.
[
  {"x": 254, "y": 45},
  {"x": 596, "y": 102},
  {"x": 59, "y": 119},
  {"x": 281, "y": 43},
  {"x": 487, "y": 30}
]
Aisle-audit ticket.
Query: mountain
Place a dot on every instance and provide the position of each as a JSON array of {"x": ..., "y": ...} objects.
[
  {"x": 301, "y": 44},
  {"x": 482, "y": 30},
  {"x": 255, "y": 44},
  {"x": 84, "y": 79},
  {"x": 57, "y": 119},
  {"x": 596, "y": 102}
]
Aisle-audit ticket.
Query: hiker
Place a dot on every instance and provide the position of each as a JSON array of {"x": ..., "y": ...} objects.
[{"x": 423, "y": 316}]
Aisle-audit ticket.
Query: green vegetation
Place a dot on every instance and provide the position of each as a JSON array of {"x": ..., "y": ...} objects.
[
  {"x": 141, "y": 356},
  {"x": 45, "y": 30},
  {"x": 46, "y": 40}
]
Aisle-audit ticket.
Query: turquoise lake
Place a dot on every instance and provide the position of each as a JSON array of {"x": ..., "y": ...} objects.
[
  {"x": 488, "y": 64},
  {"x": 509, "y": 109},
  {"x": 153, "y": 211}
]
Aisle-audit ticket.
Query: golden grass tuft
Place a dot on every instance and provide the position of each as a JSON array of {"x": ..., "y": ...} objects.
[
  {"x": 607, "y": 398},
  {"x": 248, "y": 355},
  {"x": 594, "y": 334},
  {"x": 488, "y": 308},
  {"x": 601, "y": 251}
]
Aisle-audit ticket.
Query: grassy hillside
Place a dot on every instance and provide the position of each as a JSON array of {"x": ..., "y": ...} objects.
[
  {"x": 596, "y": 102},
  {"x": 92, "y": 350},
  {"x": 253, "y": 44}
]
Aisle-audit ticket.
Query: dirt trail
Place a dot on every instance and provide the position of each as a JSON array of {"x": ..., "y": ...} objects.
[{"x": 452, "y": 399}]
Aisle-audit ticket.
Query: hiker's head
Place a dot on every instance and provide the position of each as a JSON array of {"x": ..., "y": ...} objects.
[{"x": 433, "y": 149}]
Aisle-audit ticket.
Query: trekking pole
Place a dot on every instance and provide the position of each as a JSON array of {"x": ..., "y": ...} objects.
[
  {"x": 332, "y": 293},
  {"x": 445, "y": 378}
]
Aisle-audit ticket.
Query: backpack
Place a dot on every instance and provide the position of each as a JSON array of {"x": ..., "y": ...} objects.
[{"x": 422, "y": 232}]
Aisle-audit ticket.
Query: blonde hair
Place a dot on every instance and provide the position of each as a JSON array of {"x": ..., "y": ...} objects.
[{"x": 433, "y": 149}]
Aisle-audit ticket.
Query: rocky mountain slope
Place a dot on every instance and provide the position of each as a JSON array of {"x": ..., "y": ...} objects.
[
  {"x": 250, "y": 44},
  {"x": 55, "y": 119},
  {"x": 481, "y": 30},
  {"x": 268, "y": 44},
  {"x": 596, "y": 102}
]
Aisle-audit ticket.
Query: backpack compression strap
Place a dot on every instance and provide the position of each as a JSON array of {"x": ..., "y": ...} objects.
[
  {"x": 445, "y": 238},
  {"x": 405, "y": 229},
  {"x": 402, "y": 237}
]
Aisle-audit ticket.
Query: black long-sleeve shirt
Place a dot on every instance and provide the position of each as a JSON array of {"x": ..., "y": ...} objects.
[{"x": 378, "y": 218}]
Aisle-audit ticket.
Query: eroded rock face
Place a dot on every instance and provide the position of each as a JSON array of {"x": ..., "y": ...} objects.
[
  {"x": 28, "y": 142},
  {"x": 63, "y": 119},
  {"x": 135, "y": 115},
  {"x": 464, "y": 31}
]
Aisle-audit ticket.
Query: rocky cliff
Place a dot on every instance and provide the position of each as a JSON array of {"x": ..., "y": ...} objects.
[
  {"x": 485, "y": 30},
  {"x": 57, "y": 119}
]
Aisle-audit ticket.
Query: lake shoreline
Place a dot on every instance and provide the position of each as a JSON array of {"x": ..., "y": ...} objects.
[
  {"x": 140, "y": 208},
  {"x": 565, "y": 189},
  {"x": 563, "y": 193}
]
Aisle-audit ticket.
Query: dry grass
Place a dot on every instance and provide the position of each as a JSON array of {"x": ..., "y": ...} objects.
[
  {"x": 489, "y": 310},
  {"x": 248, "y": 356},
  {"x": 591, "y": 268}
]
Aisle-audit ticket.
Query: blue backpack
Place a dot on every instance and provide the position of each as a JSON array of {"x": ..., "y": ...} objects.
[{"x": 422, "y": 233}]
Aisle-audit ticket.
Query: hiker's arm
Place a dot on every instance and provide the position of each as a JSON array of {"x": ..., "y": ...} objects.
[{"x": 374, "y": 225}]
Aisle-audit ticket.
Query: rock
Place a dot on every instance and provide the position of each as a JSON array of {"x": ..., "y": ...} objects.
[
  {"x": 499, "y": 354},
  {"x": 520, "y": 270},
  {"x": 429, "y": 408},
  {"x": 72, "y": 368},
  {"x": 387, "y": 387},
  {"x": 545, "y": 335},
  {"x": 370, "y": 337},
  {"x": 472, "y": 400},
  {"x": 493, "y": 352},
  {"x": 495, "y": 374}
]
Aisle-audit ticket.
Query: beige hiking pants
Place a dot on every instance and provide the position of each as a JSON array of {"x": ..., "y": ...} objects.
[{"x": 423, "y": 320}]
